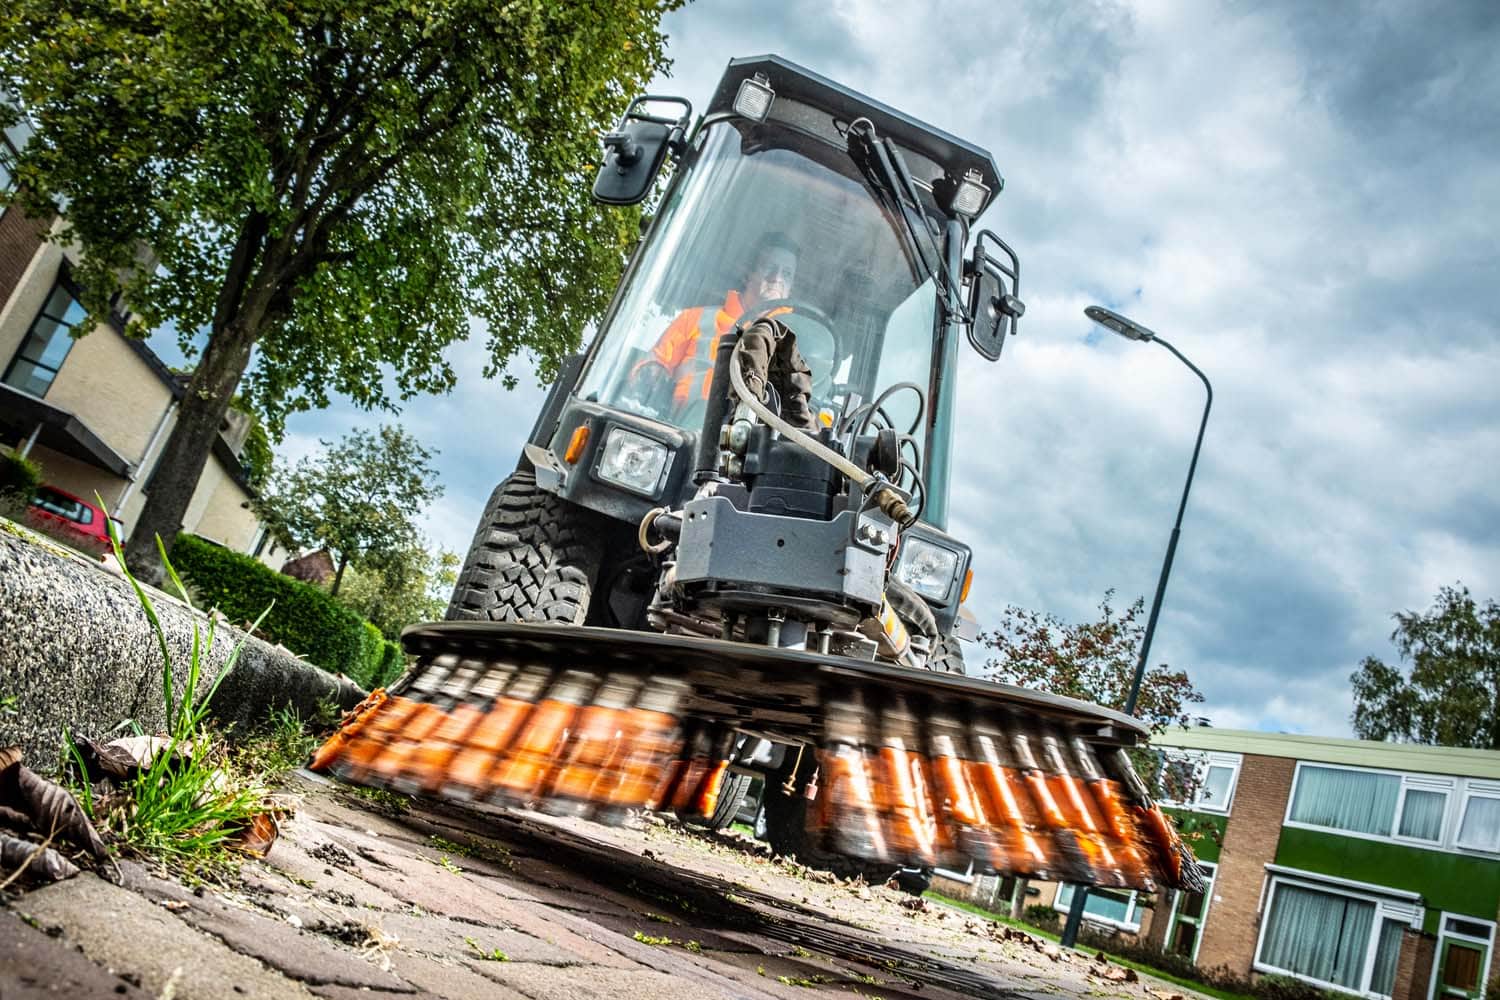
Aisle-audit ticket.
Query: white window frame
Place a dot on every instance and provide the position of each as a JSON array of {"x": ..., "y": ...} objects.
[
  {"x": 1458, "y": 791},
  {"x": 1390, "y": 904},
  {"x": 1414, "y": 783},
  {"x": 1473, "y": 790},
  {"x": 1444, "y": 932},
  {"x": 1202, "y": 761},
  {"x": 1132, "y": 909},
  {"x": 1208, "y": 897}
]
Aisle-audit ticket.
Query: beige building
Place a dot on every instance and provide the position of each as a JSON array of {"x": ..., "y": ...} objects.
[{"x": 95, "y": 411}]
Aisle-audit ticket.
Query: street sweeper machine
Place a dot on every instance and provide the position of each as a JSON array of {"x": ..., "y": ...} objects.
[{"x": 723, "y": 553}]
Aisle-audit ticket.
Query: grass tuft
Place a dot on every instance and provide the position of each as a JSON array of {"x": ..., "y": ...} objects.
[{"x": 192, "y": 798}]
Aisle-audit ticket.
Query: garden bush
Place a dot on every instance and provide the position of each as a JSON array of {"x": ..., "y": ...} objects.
[
  {"x": 19, "y": 479},
  {"x": 1042, "y": 916},
  {"x": 1220, "y": 977},
  {"x": 302, "y": 618}
]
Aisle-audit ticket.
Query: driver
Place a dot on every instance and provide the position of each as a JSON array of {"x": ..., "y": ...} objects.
[{"x": 681, "y": 354}]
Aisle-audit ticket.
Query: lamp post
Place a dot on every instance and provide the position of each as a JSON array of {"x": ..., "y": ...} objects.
[{"x": 1131, "y": 330}]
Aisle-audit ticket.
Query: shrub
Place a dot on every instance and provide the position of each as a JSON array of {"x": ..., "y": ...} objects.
[
  {"x": 1042, "y": 916},
  {"x": 1220, "y": 978},
  {"x": 19, "y": 479},
  {"x": 392, "y": 663},
  {"x": 302, "y": 618}
]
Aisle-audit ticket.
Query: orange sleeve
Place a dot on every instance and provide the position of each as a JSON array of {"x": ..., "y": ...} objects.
[{"x": 674, "y": 344}]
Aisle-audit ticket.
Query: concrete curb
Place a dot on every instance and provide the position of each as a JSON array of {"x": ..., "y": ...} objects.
[{"x": 77, "y": 652}]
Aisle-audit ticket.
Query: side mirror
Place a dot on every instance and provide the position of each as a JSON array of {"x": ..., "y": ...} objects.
[
  {"x": 636, "y": 149},
  {"x": 994, "y": 286}
]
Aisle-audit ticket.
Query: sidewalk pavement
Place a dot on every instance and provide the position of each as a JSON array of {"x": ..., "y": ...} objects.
[{"x": 356, "y": 901}]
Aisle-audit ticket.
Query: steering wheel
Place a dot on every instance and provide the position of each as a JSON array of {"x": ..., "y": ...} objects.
[{"x": 798, "y": 308}]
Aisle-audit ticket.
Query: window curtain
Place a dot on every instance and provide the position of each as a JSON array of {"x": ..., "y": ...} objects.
[
  {"x": 1383, "y": 978},
  {"x": 1481, "y": 825},
  {"x": 1319, "y": 935},
  {"x": 1422, "y": 815},
  {"x": 1361, "y": 801}
]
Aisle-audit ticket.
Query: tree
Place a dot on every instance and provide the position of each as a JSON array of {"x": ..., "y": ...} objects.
[
  {"x": 1093, "y": 661},
  {"x": 331, "y": 189},
  {"x": 1452, "y": 695},
  {"x": 401, "y": 588},
  {"x": 357, "y": 499}
]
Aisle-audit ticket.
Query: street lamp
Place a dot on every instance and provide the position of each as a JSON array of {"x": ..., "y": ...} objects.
[{"x": 1131, "y": 330}]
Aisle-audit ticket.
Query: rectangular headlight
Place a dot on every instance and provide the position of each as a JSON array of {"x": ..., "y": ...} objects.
[
  {"x": 927, "y": 568},
  {"x": 632, "y": 461}
]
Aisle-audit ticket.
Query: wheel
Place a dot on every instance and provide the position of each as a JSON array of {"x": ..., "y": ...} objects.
[
  {"x": 786, "y": 832},
  {"x": 731, "y": 796},
  {"x": 534, "y": 558},
  {"x": 914, "y": 880},
  {"x": 947, "y": 655}
]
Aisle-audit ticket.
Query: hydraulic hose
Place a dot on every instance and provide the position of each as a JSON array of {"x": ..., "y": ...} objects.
[{"x": 886, "y": 499}]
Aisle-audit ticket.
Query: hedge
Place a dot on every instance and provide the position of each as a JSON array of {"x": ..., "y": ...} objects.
[
  {"x": 19, "y": 479},
  {"x": 302, "y": 618}
]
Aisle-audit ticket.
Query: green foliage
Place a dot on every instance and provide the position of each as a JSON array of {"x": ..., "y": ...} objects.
[
  {"x": 356, "y": 189},
  {"x": 1451, "y": 697},
  {"x": 256, "y": 457},
  {"x": 1042, "y": 916},
  {"x": 283, "y": 743},
  {"x": 1093, "y": 661},
  {"x": 183, "y": 805},
  {"x": 358, "y": 499},
  {"x": 401, "y": 588},
  {"x": 302, "y": 618},
  {"x": 19, "y": 479}
]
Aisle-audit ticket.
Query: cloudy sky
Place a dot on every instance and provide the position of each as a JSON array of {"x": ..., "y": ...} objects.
[{"x": 1302, "y": 197}]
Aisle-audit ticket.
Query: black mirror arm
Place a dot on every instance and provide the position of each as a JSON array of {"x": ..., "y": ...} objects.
[{"x": 627, "y": 151}]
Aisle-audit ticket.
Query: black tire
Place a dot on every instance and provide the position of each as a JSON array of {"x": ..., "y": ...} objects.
[
  {"x": 534, "y": 558},
  {"x": 915, "y": 881},
  {"x": 731, "y": 797},
  {"x": 947, "y": 656},
  {"x": 786, "y": 832}
]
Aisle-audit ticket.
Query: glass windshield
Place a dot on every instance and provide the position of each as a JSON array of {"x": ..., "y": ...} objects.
[{"x": 767, "y": 220}]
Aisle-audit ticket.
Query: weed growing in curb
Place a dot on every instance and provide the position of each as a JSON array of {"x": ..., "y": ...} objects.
[{"x": 187, "y": 803}]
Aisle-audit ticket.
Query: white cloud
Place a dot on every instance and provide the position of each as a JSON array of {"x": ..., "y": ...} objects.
[{"x": 1303, "y": 203}]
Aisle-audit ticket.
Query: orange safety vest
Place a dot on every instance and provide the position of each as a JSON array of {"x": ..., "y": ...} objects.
[{"x": 678, "y": 348}]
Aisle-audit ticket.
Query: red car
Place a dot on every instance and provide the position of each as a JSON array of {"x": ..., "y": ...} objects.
[{"x": 70, "y": 519}]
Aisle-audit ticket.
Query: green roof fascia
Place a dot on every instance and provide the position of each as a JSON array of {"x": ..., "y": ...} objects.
[{"x": 1457, "y": 761}]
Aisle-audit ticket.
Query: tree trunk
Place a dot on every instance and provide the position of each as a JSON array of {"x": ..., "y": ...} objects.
[
  {"x": 338, "y": 577},
  {"x": 182, "y": 460}
]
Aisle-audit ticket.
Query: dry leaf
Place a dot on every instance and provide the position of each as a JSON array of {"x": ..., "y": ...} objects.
[
  {"x": 102, "y": 760},
  {"x": 9, "y": 756},
  {"x": 42, "y": 864},
  {"x": 257, "y": 838},
  {"x": 1115, "y": 973},
  {"x": 142, "y": 750},
  {"x": 51, "y": 808},
  {"x": 15, "y": 820}
]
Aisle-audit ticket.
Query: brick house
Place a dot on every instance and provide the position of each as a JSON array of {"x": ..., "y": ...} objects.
[
  {"x": 95, "y": 411},
  {"x": 1361, "y": 867}
]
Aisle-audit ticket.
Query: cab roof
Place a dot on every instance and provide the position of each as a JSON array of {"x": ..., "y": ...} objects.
[{"x": 936, "y": 152}]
